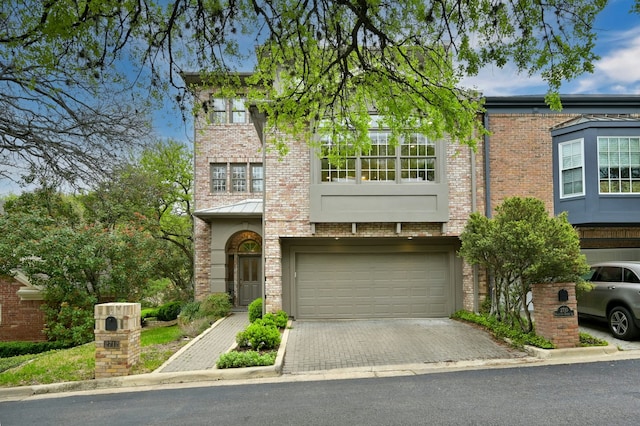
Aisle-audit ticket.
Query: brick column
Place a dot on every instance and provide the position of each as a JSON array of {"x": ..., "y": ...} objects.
[
  {"x": 556, "y": 319},
  {"x": 117, "y": 332}
]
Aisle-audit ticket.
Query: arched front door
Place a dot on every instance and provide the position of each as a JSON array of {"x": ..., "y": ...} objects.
[
  {"x": 244, "y": 266},
  {"x": 249, "y": 273}
]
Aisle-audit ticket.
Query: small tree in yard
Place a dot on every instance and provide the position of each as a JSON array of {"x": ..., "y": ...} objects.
[{"x": 521, "y": 246}]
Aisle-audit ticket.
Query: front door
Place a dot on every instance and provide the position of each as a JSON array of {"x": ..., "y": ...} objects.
[{"x": 249, "y": 273}]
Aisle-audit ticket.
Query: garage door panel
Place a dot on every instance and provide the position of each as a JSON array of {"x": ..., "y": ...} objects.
[{"x": 358, "y": 285}]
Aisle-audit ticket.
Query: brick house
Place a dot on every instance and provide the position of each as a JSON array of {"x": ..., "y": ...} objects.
[
  {"x": 379, "y": 236},
  {"x": 584, "y": 160},
  {"x": 21, "y": 318}
]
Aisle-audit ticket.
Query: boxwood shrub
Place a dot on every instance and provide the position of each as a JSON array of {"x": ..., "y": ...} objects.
[
  {"x": 259, "y": 336},
  {"x": 255, "y": 310},
  {"x": 169, "y": 311}
]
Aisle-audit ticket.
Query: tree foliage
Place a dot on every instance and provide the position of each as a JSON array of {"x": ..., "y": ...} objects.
[
  {"x": 75, "y": 262},
  {"x": 155, "y": 191},
  {"x": 112, "y": 244},
  {"x": 75, "y": 74},
  {"x": 520, "y": 247}
]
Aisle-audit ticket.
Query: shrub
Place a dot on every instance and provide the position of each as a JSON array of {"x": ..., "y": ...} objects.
[
  {"x": 282, "y": 318},
  {"x": 149, "y": 313},
  {"x": 189, "y": 312},
  {"x": 217, "y": 305},
  {"x": 246, "y": 359},
  {"x": 169, "y": 311},
  {"x": 9, "y": 349},
  {"x": 70, "y": 324},
  {"x": 279, "y": 319},
  {"x": 504, "y": 330},
  {"x": 255, "y": 310},
  {"x": 268, "y": 320},
  {"x": 259, "y": 336}
]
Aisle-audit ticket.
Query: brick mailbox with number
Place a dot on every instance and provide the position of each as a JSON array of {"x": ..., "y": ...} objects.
[{"x": 117, "y": 331}]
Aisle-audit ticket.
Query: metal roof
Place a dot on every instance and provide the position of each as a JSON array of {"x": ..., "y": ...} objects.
[{"x": 246, "y": 208}]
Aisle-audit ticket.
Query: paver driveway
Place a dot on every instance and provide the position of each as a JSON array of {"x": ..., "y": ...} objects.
[{"x": 331, "y": 344}]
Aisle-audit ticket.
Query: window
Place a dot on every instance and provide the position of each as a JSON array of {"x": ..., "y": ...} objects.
[
  {"x": 218, "y": 111},
  {"x": 239, "y": 178},
  {"x": 234, "y": 177},
  {"x": 249, "y": 246},
  {"x": 238, "y": 112},
  {"x": 413, "y": 160},
  {"x": 257, "y": 178},
  {"x": 418, "y": 159},
  {"x": 218, "y": 178},
  {"x": 619, "y": 165},
  {"x": 225, "y": 111},
  {"x": 571, "y": 169}
]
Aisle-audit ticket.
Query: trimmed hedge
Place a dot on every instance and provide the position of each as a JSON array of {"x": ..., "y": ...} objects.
[
  {"x": 246, "y": 359},
  {"x": 9, "y": 349},
  {"x": 169, "y": 311}
]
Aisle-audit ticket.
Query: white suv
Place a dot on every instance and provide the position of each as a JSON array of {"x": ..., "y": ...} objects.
[{"x": 615, "y": 297}]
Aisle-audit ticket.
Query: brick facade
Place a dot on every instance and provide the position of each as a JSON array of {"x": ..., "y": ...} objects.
[
  {"x": 520, "y": 159},
  {"x": 20, "y": 320},
  {"x": 516, "y": 159},
  {"x": 287, "y": 202}
]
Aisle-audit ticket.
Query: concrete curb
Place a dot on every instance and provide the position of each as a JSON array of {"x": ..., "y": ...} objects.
[
  {"x": 588, "y": 351},
  {"x": 155, "y": 378}
]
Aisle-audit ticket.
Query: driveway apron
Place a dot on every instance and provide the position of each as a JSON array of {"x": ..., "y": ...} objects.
[{"x": 332, "y": 344}]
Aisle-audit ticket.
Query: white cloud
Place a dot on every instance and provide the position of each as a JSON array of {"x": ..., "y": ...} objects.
[
  {"x": 617, "y": 72},
  {"x": 494, "y": 81},
  {"x": 620, "y": 64}
]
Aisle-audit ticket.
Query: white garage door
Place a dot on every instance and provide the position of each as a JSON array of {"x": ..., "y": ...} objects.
[{"x": 373, "y": 285}]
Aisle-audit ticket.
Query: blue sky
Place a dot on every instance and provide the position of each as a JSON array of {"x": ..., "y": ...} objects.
[{"x": 617, "y": 71}]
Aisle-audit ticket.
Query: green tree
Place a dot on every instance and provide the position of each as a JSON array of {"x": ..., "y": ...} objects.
[
  {"x": 154, "y": 191},
  {"x": 520, "y": 247},
  {"x": 76, "y": 263},
  {"x": 68, "y": 66}
]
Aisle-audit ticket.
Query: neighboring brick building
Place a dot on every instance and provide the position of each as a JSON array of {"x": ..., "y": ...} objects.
[
  {"x": 21, "y": 318},
  {"x": 376, "y": 237},
  {"x": 567, "y": 160}
]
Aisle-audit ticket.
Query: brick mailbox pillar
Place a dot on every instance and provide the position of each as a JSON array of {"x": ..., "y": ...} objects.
[
  {"x": 556, "y": 316},
  {"x": 117, "y": 332}
]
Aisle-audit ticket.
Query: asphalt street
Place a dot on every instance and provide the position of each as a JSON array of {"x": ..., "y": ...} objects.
[{"x": 574, "y": 394}]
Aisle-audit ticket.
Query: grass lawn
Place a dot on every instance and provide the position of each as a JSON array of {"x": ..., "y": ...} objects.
[{"x": 68, "y": 365}]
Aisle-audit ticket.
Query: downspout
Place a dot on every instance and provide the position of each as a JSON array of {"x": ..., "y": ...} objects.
[
  {"x": 487, "y": 168},
  {"x": 474, "y": 208},
  {"x": 260, "y": 121},
  {"x": 487, "y": 199}
]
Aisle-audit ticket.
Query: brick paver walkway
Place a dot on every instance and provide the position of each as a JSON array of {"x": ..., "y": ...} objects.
[
  {"x": 202, "y": 353},
  {"x": 325, "y": 345}
]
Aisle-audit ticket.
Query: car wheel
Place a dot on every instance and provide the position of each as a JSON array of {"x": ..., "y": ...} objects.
[{"x": 621, "y": 323}]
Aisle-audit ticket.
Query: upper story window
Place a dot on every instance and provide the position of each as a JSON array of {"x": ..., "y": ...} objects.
[
  {"x": 225, "y": 111},
  {"x": 619, "y": 165},
  {"x": 413, "y": 160},
  {"x": 234, "y": 177},
  {"x": 571, "y": 168}
]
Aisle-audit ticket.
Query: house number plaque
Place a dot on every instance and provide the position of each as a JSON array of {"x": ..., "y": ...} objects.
[
  {"x": 112, "y": 344},
  {"x": 563, "y": 311}
]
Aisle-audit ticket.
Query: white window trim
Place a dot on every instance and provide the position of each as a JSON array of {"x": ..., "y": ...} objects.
[{"x": 561, "y": 169}]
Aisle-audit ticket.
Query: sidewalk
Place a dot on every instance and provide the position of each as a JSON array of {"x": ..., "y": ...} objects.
[{"x": 203, "y": 352}]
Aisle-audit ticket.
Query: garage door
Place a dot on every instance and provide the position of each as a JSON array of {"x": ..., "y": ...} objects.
[{"x": 373, "y": 285}]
